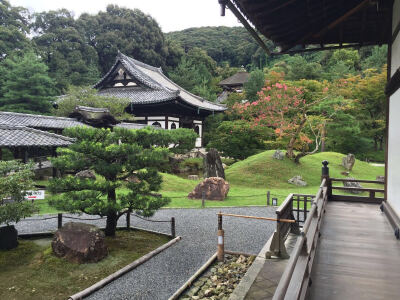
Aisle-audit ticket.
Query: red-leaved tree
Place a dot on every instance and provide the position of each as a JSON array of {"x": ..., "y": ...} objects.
[{"x": 285, "y": 108}]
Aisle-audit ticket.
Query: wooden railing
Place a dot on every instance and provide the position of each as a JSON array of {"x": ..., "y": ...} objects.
[
  {"x": 294, "y": 207},
  {"x": 294, "y": 281},
  {"x": 371, "y": 198},
  {"x": 296, "y": 277}
]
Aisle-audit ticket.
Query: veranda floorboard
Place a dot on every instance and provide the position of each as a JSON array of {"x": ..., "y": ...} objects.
[{"x": 357, "y": 257}]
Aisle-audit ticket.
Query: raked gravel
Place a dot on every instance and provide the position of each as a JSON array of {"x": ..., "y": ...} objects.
[{"x": 162, "y": 275}]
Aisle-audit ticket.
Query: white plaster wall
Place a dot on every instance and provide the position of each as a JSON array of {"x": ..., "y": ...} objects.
[
  {"x": 393, "y": 180},
  {"x": 393, "y": 167},
  {"x": 170, "y": 123},
  {"x": 153, "y": 121}
]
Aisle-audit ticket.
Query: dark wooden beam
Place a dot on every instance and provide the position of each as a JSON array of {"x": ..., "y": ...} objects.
[
  {"x": 331, "y": 25},
  {"x": 396, "y": 32},
  {"x": 321, "y": 48},
  {"x": 342, "y": 18},
  {"x": 394, "y": 83},
  {"x": 246, "y": 24}
]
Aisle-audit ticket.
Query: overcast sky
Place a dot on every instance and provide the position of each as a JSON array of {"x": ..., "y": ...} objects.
[{"x": 171, "y": 15}]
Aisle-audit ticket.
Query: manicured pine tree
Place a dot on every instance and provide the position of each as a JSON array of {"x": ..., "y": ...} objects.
[{"x": 120, "y": 159}]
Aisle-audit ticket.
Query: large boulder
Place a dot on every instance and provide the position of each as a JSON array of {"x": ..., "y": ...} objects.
[
  {"x": 79, "y": 243},
  {"x": 297, "y": 180},
  {"x": 352, "y": 184},
  {"x": 8, "y": 237},
  {"x": 348, "y": 161},
  {"x": 212, "y": 165},
  {"x": 278, "y": 154},
  {"x": 214, "y": 188}
]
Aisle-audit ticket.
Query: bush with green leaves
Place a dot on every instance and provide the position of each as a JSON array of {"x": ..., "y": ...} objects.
[
  {"x": 15, "y": 181},
  {"x": 87, "y": 96},
  {"x": 125, "y": 163},
  {"x": 239, "y": 139}
]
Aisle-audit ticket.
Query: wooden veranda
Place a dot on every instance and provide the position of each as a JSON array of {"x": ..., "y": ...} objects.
[{"x": 347, "y": 247}]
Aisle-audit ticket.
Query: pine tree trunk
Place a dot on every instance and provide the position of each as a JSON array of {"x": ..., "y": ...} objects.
[
  {"x": 112, "y": 217},
  {"x": 111, "y": 224}
]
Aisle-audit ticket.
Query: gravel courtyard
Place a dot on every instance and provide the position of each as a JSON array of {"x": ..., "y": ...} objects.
[{"x": 162, "y": 275}]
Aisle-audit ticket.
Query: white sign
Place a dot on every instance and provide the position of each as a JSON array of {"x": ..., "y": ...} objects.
[
  {"x": 220, "y": 240},
  {"x": 35, "y": 195}
]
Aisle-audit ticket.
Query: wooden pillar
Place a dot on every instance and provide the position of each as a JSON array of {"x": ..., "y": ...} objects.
[
  {"x": 54, "y": 154},
  {"x": 325, "y": 175},
  {"x": 220, "y": 249},
  {"x": 25, "y": 156}
]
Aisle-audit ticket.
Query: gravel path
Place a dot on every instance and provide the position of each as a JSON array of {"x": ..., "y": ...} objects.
[{"x": 162, "y": 275}]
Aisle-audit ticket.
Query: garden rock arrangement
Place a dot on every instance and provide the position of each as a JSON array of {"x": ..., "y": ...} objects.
[
  {"x": 278, "y": 154},
  {"x": 221, "y": 279},
  {"x": 79, "y": 243},
  {"x": 86, "y": 174},
  {"x": 212, "y": 165},
  {"x": 348, "y": 161},
  {"x": 352, "y": 184},
  {"x": 297, "y": 180},
  {"x": 214, "y": 188}
]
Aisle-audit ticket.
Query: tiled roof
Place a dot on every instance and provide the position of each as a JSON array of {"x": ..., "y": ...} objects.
[
  {"x": 159, "y": 88},
  {"x": 38, "y": 121},
  {"x": 139, "y": 95},
  {"x": 237, "y": 79},
  {"x": 21, "y": 136}
]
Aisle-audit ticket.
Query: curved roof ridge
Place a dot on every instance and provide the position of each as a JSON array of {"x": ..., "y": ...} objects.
[{"x": 186, "y": 91}]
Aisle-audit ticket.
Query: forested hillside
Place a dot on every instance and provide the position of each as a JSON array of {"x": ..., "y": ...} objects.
[{"x": 233, "y": 45}]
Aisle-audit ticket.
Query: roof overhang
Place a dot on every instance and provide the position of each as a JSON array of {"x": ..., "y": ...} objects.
[{"x": 326, "y": 24}]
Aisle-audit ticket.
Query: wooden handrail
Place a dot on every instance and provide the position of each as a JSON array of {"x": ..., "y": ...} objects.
[
  {"x": 284, "y": 204},
  {"x": 257, "y": 218},
  {"x": 300, "y": 248},
  {"x": 347, "y": 188},
  {"x": 357, "y": 180}
]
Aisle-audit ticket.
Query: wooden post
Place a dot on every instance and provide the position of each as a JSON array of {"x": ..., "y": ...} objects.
[
  {"x": 268, "y": 197},
  {"x": 173, "y": 233},
  {"x": 220, "y": 250},
  {"x": 59, "y": 219},
  {"x": 372, "y": 195},
  {"x": 128, "y": 219},
  {"x": 203, "y": 199},
  {"x": 325, "y": 175}
]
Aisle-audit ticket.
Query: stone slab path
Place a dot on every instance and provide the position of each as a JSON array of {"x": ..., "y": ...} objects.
[{"x": 162, "y": 275}]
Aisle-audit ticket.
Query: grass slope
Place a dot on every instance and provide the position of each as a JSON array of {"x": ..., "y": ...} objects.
[{"x": 251, "y": 178}]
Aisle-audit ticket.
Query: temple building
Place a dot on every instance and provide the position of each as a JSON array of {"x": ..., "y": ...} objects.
[{"x": 154, "y": 98}]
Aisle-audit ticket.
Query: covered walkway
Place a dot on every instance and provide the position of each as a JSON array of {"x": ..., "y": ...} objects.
[{"x": 358, "y": 257}]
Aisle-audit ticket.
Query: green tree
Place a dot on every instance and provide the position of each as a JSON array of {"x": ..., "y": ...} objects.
[
  {"x": 254, "y": 84},
  {"x": 87, "y": 96},
  {"x": 15, "y": 181},
  {"x": 25, "y": 86},
  {"x": 196, "y": 73},
  {"x": 13, "y": 28},
  {"x": 239, "y": 139},
  {"x": 131, "y": 31},
  {"x": 71, "y": 60},
  {"x": 119, "y": 158}
]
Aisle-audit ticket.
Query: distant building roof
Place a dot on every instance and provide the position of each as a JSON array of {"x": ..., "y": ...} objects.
[
  {"x": 22, "y": 136},
  {"x": 152, "y": 86},
  {"x": 38, "y": 121},
  {"x": 237, "y": 79}
]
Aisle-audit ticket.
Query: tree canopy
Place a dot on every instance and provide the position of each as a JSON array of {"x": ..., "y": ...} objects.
[{"x": 119, "y": 159}]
